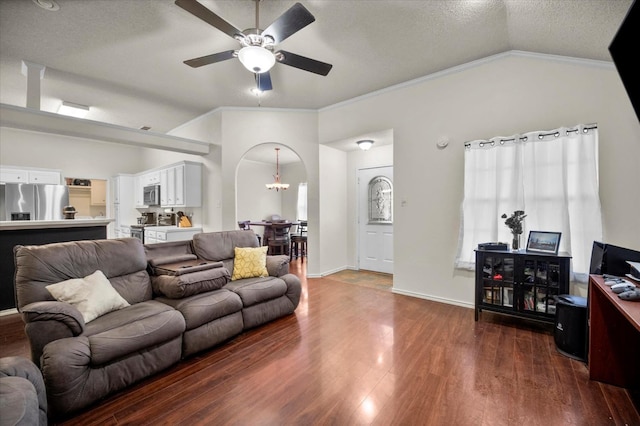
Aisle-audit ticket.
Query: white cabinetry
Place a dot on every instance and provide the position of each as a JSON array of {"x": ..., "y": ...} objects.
[
  {"x": 181, "y": 185},
  {"x": 15, "y": 175},
  {"x": 138, "y": 186},
  {"x": 124, "y": 211}
]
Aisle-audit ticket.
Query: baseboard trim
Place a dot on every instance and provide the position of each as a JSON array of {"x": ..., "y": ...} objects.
[
  {"x": 8, "y": 312},
  {"x": 433, "y": 298}
]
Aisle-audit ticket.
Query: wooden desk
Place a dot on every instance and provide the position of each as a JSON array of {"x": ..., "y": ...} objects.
[{"x": 614, "y": 337}]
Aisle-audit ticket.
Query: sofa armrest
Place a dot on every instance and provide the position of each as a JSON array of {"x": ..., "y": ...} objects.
[
  {"x": 22, "y": 406},
  {"x": 48, "y": 321},
  {"x": 278, "y": 265},
  {"x": 63, "y": 312}
]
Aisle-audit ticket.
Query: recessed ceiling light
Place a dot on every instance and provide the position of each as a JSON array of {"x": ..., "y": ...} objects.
[
  {"x": 145, "y": 128},
  {"x": 47, "y": 5}
]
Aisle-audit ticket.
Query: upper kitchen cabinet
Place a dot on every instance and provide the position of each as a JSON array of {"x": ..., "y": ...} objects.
[
  {"x": 98, "y": 192},
  {"x": 19, "y": 175},
  {"x": 181, "y": 185}
]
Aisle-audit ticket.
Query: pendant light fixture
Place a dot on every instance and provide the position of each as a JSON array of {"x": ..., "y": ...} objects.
[{"x": 277, "y": 185}]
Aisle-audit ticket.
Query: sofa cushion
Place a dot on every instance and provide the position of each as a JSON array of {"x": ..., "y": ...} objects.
[
  {"x": 206, "y": 307},
  {"x": 249, "y": 262},
  {"x": 257, "y": 290},
  {"x": 133, "y": 329},
  {"x": 185, "y": 285},
  {"x": 92, "y": 295},
  {"x": 220, "y": 245},
  {"x": 40, "y": 265}
]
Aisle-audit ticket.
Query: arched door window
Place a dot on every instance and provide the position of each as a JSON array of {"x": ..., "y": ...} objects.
[{"x": 380, "y": 200}]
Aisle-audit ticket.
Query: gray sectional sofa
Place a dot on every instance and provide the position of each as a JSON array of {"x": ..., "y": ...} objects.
[{"x": 171, "y": 300}]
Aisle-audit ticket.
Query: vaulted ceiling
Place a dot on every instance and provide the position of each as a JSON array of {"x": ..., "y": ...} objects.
[{"x": 124, "y": 58}]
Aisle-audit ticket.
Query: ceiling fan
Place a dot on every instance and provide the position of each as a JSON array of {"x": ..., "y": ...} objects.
[{"x": 258, "y": 53}]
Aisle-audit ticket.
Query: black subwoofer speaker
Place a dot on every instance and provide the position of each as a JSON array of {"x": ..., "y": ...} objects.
[{"x": 571, "y": 333}]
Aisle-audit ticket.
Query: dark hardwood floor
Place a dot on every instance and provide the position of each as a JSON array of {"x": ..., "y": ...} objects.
[{"x": 358, "y": 354}]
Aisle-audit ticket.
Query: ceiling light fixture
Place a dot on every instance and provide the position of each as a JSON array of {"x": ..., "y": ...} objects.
[
  {"x": 365, "y": 144},
  {"x": 256, "y": 59},
  {"x": 73, "y": 110},
  {"x": 277, "y": 185}
]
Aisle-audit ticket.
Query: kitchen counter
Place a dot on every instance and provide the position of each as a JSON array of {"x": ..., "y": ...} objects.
[
  {"x": 8, "y": 225},
  {"x": 161, "y": 234},
  {"x": 28, "y": 232},
  {"x": 172, "y": 228}
]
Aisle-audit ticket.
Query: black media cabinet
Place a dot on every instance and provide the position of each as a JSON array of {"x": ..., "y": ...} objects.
[{"x": 520, "y": 283}]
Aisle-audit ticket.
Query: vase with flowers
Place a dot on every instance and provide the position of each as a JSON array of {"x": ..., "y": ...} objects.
[{"x": 514, "y": 222}]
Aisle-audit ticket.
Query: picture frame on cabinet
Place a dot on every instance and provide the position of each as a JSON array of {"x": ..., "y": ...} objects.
[{"x": 543, "y": 242}]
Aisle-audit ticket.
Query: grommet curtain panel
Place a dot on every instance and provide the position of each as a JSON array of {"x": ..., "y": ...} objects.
[{"x": 551, "y": 175}]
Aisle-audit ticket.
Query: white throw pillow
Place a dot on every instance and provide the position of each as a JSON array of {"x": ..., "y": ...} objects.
[{"x": 92, "y": 295}]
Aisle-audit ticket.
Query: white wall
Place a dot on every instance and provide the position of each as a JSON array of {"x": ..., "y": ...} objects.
[
  {"x": 503, "y": 95},
  {"x": 80, "y": 158},
  {"x": 238, "y": 130},
  {"x": 333, "y": 210},
  {"x": 253, "y": 200}
]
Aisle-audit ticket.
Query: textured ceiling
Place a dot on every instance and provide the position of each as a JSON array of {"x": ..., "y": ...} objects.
[{"x": 124, "y": 57}]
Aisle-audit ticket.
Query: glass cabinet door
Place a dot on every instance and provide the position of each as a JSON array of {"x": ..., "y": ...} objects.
[
  {"x": 498, "y": 280},
  {"x": 540, "y": 285}
]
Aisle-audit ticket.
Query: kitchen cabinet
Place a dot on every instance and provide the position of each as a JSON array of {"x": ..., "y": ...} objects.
[
  {"x": 138, "y": 186},
  {"x": 181, "y": 185},
  {"x": 124, "y": 212},
  {"x": 15, "y": 175},
  {"x": 98, "y": 192},
  {"x": 42, "y": 176},
  {"x": 151, "y": 178}
]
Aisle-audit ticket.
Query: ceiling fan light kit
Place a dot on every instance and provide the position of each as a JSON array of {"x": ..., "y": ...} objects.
[
  {"x": 258, "y": 53},
  {"x": 256, "y": 59}
]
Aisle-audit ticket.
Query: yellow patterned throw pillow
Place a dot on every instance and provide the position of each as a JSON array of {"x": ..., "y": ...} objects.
[{"x": 250, "y": 262}]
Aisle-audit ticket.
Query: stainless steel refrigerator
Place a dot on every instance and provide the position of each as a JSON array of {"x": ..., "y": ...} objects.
[{"x": 25, "y": 201}]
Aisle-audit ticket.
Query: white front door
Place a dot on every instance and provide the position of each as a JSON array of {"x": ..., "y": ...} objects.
[{"x": 375, "y": 219}]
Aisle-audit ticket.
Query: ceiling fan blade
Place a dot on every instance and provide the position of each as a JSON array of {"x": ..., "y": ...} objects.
[
  {"x": 198, "y": 10},
  {"x": 210, "y": 59},
  {"x": 303, "y": 62},
  {"x": 290, "y": 22},
  {"x": 263, "y": 81}
]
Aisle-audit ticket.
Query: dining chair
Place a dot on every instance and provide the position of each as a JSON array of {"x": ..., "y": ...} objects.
[
  {"x": 279, "y": 240},
  {"x": 299, "y": 242}
]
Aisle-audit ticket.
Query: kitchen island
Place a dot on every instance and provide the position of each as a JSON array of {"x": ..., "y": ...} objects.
[{"x": 29, "y": 232}]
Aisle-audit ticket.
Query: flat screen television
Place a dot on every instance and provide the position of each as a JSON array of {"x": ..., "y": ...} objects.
[
  {"x": 611, "y": 260},
  {"x": 624, "y": 50}
]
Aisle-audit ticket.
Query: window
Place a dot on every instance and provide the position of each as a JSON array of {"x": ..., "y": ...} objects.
[
  {"x": 552, "y": 176},
  {"x": 302, "y": 201}
]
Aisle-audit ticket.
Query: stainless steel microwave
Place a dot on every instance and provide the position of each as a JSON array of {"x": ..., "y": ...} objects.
[{"x": 151, "y": 195}]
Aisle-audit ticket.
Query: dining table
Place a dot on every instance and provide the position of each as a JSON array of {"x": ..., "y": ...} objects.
[{"x": 267, "y": 228}]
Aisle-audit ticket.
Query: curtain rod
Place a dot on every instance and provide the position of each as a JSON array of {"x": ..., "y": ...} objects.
[{"x": 555, "y": 133}]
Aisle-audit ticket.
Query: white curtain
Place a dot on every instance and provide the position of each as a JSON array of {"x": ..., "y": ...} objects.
[
  {"x": 551, "y": 175},
  {"x": 302, "y": 201}
]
